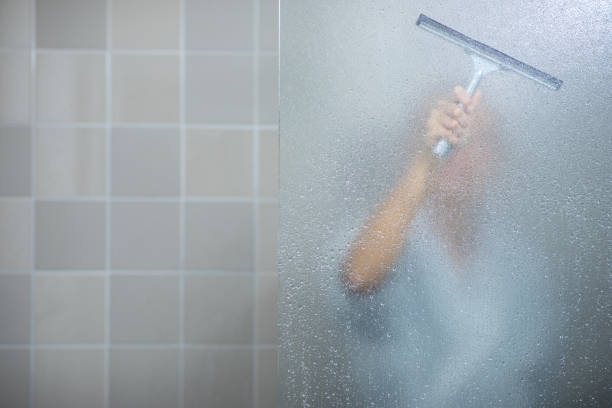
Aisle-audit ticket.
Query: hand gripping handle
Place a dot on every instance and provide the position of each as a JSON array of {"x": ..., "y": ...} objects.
[
  {"x": 481, "y": 67},
  {"x": 442, "y": 147}
]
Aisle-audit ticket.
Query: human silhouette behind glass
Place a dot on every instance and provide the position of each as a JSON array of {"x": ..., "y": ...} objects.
[
  {"x": 448, "y": 302},
  {"x": 452, "y": 182}
]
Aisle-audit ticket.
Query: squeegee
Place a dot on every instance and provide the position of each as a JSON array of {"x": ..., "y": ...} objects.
[{"x": 485, "y": 60}]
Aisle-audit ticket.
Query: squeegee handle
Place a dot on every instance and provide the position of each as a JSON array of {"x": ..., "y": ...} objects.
[{"x": 442, "y": 146}]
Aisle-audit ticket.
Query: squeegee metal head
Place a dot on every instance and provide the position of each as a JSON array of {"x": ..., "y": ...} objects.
[{"x": 503, "y": 60}]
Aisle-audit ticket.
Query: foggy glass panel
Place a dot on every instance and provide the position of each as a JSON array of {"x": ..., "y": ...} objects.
[{"x": 500, "y": 293}]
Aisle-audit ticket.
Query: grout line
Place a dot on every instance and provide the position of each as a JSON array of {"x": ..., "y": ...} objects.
[
  {"x": 14, "y": 50},
  {"x": 136, "y": 272},
  {"x": 33, "y": 114},
  {"x": 8, "y": 199},
  {"x": 144, "y": 125},
  {"x": 137, "y": 199},
  {"x": 17, "y": 272},
  {"x": 254, "y": 258},
  {"x": 138, "y": 346},
  {"x": 108, "y": 189},
  {"x": 182, "y": 206},
  {"x": 66, "y": 273},
  {"x": 277, "y": 386},
  {"x": 17, "y": 123},
  {"x": 143, "y": 52}
]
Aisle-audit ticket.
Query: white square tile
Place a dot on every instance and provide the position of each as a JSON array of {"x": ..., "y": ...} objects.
[
  {"x": 141, "y": 24},
  {"x": 71, "y": 87},
  {"x": 145, "y": 88},
  {"x": 16, "y": 236},
  {"x": 143, "y": 378},
  {"x": 69, "y": 309},
  {"x": 14, "y": 378},
  {"x": 68, "y": 379},
  {"x": 220, "y": 89},
  {"x": 266, "y": 331},
  {"x": 15, "y": 161},
  {"x": 219, "y": 25},
  {"x": 268, "y": 25},
  {"x": 70, "y": 235},
  {"x": 218, "y": 378},
  {"x": 145, "y": 162},
  {"x": 267, "y": 378},
  {"x": 15, "y": 23},
  {"x": 144, "y": 235},
  {"x": 71, "y": 23},
  {"x": 219, "y": 236},
  {"x": 267, "y": 242},
  {"x": 268, "y": 163},
  {"x": 14, "y": 310},
  {"x": 268, "y": 90},
  {"x": 219, "y": 309},
  {"x": 14, "y": 87},
  {"x": 145, "y": 309},
  {"x": 219, "y": 163},
  {"x": 70, "y": 162}
]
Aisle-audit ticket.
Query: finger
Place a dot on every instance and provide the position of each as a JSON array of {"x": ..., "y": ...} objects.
[
  {"x": 457, "y": 111},
  {"x": 442, "y": 133},
  {"x": 448, "y": 122},
  {"x": 460, "y": 116},
  {"x": 454, "y": 111},
  {"x": 473, "y": 102},
  {"x": 475, "y": 99},
  {"x": 463, "y": 119},
  {"x": 453, "y": 139},
  {"x": 450, "y": 108},
  {"x": 462, "y": 96},
  {"x": 459, "y": 133}
]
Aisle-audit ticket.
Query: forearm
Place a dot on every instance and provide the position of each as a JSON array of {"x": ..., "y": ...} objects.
[{"x": 377, "y": 247}]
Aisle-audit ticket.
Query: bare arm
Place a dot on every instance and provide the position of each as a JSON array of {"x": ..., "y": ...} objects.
[
  {"x": 377, "y": 247},
  {"x": 379, "y": 244}
]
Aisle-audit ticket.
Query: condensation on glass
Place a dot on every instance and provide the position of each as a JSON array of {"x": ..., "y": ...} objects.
[{"x": 527, "y": 322}]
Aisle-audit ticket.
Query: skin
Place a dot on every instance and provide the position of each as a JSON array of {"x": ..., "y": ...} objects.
[{"x": 450, "y": 186}]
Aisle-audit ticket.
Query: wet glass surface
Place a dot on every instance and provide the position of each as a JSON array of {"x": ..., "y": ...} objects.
[{"x": 499, "y": 293}]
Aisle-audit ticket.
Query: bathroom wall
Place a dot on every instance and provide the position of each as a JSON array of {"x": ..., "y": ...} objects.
[{"x": 138, "y": 202}]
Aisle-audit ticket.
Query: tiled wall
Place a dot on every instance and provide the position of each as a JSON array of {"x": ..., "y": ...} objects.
[{"x": 138, "y": 184}]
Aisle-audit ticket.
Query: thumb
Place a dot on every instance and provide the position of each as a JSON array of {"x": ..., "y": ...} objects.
[{"x": 474, "y": 101}]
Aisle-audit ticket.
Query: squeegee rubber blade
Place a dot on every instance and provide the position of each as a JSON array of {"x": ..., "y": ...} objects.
[{"x": 504, "y": 60}]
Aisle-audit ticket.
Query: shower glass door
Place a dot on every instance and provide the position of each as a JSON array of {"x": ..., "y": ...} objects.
[{"x": 481, "y": 279}]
